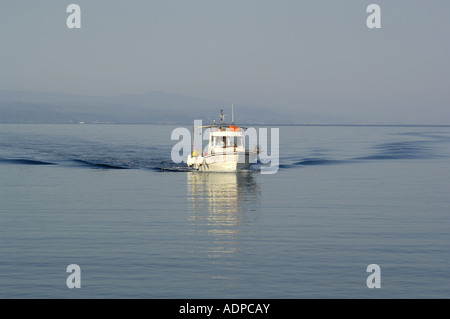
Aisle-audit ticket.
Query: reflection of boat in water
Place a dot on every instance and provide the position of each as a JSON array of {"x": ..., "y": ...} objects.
[
  {"x": 223, "y": 201},
  {"x": 226, "y": 150},
  {"x": 222, "y": 204}
]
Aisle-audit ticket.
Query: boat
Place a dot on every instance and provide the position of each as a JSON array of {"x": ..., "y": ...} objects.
[{"x": 225, "y": 152}]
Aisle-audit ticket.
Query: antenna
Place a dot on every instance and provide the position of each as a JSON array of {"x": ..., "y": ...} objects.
[{"x": 232, "y": 113}]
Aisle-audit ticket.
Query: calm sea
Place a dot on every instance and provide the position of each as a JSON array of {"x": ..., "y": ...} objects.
[{"x": 109, "y": 199}]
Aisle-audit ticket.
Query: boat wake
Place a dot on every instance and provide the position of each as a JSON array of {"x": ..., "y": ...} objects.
[
  {"x": 404, "y": 150},
  {"x": 97, "y": 164},
  {"x": 24, "y": 161},
  {"x": 110, "y": 164},
  {"x": 107, "y": 157}
]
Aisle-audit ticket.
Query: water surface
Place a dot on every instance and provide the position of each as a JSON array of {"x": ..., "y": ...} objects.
[{"x": 109, "y": 198}]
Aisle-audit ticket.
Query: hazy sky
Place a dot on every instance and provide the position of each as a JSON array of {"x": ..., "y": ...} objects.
[{"x": 310, "y": 56}]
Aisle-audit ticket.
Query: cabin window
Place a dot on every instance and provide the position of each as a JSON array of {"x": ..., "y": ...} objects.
[
  {"x": 233, "y": 141},
  {"x": 219, "y": 141}
]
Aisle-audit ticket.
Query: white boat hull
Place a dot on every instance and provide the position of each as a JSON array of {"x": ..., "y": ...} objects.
[{"x": 223, "y": 162}]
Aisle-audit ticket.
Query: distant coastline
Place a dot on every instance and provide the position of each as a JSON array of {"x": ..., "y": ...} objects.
[{"x": 21, "y": 107}]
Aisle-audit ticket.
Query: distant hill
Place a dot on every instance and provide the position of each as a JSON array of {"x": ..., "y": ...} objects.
[{"x": 152, "y": 107}]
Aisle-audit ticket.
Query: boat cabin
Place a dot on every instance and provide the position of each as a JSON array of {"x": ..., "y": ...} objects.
[{"x": 225, "y": 138}]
